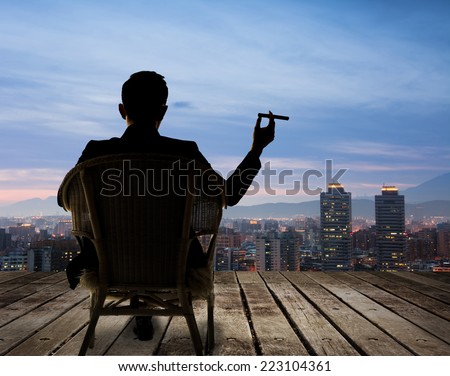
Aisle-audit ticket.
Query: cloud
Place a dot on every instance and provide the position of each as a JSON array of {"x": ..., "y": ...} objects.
[
  {"x": 183, "y": 104},
  {"x": 10, "y": 196},
  {"x": 33, "y": 174},
  {"x": 367, "y": 148},
  {"x": 26, "y": 183},
  {"x": 62, "y": 82}
]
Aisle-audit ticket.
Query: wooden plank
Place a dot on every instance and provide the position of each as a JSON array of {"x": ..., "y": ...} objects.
[
  {"x": 222, "y": 278},
  {"x": 19, "y": 292},
  {"x": 442, "y": 277},
  {"x": 249, "y": 277},
  {"x": 23, "y": 291},
  {"x": 56, "y": 333},
  {"x": 432, "y": 324},
  {"x": 107, "y": 330},
  {"x": 423, "y": 301},
  {"x": 19, "y": 330},
  {"x": 421, "y": 287},
  {"x": 232, "y": 330},
  {"x": 7, "y": 276},
  {"x": 24, "y": 278},
  {"x": 128, "y": 343},
  {"x": 360, "y": 332},
  {"x": 15, "y": 283},
  {"x": 316, "y": 331},
  {"x": 52, "y": 277},
  {"x": 377, "y": 307},
  {"x": 177, "y": 340},
  {"x": 31, "y": 302},
  {"x": 272, "y": 330},
  {"x": 424, "y": 280}
]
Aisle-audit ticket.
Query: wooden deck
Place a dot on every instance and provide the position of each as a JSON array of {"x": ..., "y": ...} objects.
[{"x": 267, "y": 313}]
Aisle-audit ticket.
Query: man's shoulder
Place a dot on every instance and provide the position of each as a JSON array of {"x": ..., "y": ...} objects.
[
  {"x": 97, "y": 143},
  {"x": 97, "y": 148},
  {"x": 177, "y": 145},
  {"x": 182, "y": 148}
]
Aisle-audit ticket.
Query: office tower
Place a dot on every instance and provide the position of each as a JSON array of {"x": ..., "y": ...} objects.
[
  {"x": 5, "y": 239},
  {"x": 390, "y": 229},
  {"x": 40, "y": 259},
  {"x": 238, "y": 259},
  {"x": 335, "y": 228},
  {"x": 63, "y": 228},
  {"x": 14, "y": 260},
  {"x": 222, "y": 260},
  {"x": 290, "y": 243},
  {"x": 443, "y": 234},
  {"x": 268, "y": 252}
]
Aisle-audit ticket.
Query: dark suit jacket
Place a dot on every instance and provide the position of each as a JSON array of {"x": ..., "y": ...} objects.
[{"x": 140, "y": 138}]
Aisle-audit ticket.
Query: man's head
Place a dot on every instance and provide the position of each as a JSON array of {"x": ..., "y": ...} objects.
[{"x": 144, "y": 97}]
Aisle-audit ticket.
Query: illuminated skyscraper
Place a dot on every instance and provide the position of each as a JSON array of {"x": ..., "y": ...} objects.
[
  {"x": 335, "y": 228},
  {"x": 390, "y": 229},
  {"x": 268, "y": 252}
]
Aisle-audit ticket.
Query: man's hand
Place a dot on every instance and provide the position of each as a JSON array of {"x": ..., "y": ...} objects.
[{"x": 263, "y": 136}]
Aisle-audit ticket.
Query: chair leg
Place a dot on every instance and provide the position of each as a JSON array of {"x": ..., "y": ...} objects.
[
  {"x": 97, "y": 301},
  {"x": 89, "y": 335},
  {"x": 94, "y": 296},
  {"x": 210, "y": 325},
  {"x": 195, "y": 334}
]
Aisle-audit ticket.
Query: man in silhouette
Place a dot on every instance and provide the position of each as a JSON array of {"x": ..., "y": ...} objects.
[{"x": 144, "y": 104}]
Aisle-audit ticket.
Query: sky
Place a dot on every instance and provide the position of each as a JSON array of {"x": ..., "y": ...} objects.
[{"x": 366, "y": 85}]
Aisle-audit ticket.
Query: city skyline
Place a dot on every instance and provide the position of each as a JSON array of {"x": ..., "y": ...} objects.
[{"x": 366, "y": 86}]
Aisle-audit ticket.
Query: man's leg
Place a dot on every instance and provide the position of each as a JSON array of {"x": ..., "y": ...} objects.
[{"x": 144, "y": 327}]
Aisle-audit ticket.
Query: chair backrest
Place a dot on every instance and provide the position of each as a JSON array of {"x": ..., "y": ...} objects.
[{"x": 141, "y": 211}]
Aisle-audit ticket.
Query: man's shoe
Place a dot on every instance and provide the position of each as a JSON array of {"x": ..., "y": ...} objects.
[{"x": 144, "y": 328}]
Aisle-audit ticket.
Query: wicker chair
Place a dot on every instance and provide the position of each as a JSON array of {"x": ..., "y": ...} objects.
[{"x": 141, "y": 212}]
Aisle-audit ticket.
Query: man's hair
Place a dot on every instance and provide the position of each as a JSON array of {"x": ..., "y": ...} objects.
[{"x": 143, "y": 94}]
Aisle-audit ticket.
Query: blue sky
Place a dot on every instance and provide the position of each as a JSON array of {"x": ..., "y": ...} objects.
[{"x": 366, "y": 84}]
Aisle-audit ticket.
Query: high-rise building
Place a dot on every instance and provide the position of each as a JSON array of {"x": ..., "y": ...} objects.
[
  {"x": 390, "y": 229},
  {"x": 14, "y": 260},
  {"x": 335, "y": 228},
  {"x": 40, "y": 259},
  {"x": 222, "y": 259},
  {"x": 268, "y": 252},
  {"x": 422, "y": 245},
  {"x": 443, "y": 233},
  {"x": 290, "y": 243},
  {"x": 5, "y": 239}
]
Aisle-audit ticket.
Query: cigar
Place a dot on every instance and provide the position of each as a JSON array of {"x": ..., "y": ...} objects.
[{"x": 279, "y": 117}]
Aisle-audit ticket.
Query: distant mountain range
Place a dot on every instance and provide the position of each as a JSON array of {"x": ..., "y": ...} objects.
[
  {"x": 431, "y": 198},
  {"x": 31, "y": 207},
  {"x": 360, "y": 208},
  {"x": 434, "y": 189}
]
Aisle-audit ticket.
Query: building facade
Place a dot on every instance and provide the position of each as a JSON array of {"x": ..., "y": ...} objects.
[
  {"x": 268, "y": 252},
  {"x": 335, "y": 228},
  {"x": 390, "y": 229}
]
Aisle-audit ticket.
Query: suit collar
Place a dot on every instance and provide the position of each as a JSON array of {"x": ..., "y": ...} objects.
[{"x": 139, "y": 130}]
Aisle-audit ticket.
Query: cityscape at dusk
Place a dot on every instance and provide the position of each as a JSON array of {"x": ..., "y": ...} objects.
[
  {"x": 333, "y": 240},
  {"x": 366, "y": 85},
  {"x": 340, "y": 245}
]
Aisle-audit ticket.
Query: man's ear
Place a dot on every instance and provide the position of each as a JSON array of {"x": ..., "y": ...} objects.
[{"x": 122, "y": 111}]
